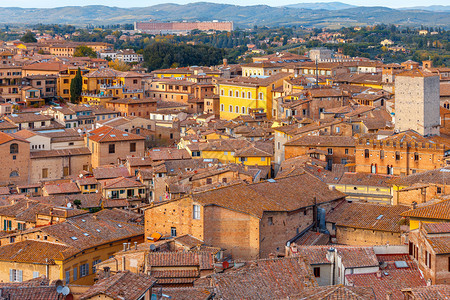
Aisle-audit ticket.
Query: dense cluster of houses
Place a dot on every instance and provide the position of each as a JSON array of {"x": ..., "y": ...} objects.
[{"x": 290, "y": 177}]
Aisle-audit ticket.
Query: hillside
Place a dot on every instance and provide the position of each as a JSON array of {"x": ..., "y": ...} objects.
[{"x": 243, "y": 16}]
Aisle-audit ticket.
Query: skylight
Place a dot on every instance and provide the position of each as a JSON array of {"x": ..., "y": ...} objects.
[
  {"x": 86, "y": 234},
  {"x": 74, "y": 238},
  {"x": 119, "y": 225},
  {"x": 98, "y": 230},
  {"x": 379, "y": 217}
]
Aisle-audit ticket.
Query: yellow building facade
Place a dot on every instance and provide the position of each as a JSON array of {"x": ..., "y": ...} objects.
[{"x": 239, "y": 95}]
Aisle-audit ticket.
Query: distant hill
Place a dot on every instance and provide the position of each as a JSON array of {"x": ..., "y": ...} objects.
[
  {"x": 242, "y": 16},
  {"x": 437, "y": 8},
  {"x": 321, "y": 5}
]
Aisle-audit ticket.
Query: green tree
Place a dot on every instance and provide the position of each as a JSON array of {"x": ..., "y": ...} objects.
[
  {"x": 84, "y": 51},
  {"x": 28, "y": 38},
  {"x": 76, "y": 86}
]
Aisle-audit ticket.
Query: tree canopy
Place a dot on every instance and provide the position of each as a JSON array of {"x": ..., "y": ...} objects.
[
  {"x": 165, "y": 55},
  {"x": 28, "y": 38},
  {"x": 84, "y": 51}
]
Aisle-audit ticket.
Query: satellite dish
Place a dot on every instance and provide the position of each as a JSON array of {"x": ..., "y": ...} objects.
[
  {"x": 65, "y": 291},
  {"x": 69, "y": 205},
  {"x": 152, "y": 247},
  {"x": 59, "y": 289},
  {"x": 79, "y": 130}
]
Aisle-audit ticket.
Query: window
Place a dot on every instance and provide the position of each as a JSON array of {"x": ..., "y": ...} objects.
[
  {"x": 96, "y": 261},
  {"x": 14, "y": 174},
  {"x": 231, "y": 108},
  {"x": 224, "y": 180},
  {"x": 242, "y": 159},
  {"x": 15, "y": 275},
  {"x": 208, "y": 180},
  {"x": 75, "y": 273},
  {"x": 132, "y": 147},
  {"x": 346, "y": 151},
  {"x": 84, "y": 270},
  {"x": 381, "y": 154},
  {"x": 112, "y": 148},
  {"x": 222, "y": 107},
  {"x": 66, "y": 171},
  {"x": 173, "y": 231},
  {"x": 237, "y": 109},
  {"x": 243, "y": 109},
  {"x": 416, "y": 156},
  {"x": 438, "y": 190},
  {"x": 270, "y": 220},
  {"x": 14, "y": 148},
  {"x": 366, "y": 153},
  {"x": 21, "y": 226},
  {"x": 45, "y": 173},
  {"x": 330, "y": 151},
  {"x": 317, "y": 272},
  {"x": 35, "y": 274},
  {"x": 249, "y": 95},
  {"x": 230, "y": 93},
  {"x": 263, "y": 159},
  {"x": 397, "y": 155},
  {"x": 196, "y": 214}
]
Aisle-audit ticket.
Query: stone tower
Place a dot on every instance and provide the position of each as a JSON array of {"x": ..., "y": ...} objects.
[{"x": 417, "y": 102}]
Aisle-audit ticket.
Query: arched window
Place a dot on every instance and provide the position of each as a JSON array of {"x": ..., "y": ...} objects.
[
  {"x": 237, "y": 94},
  {"x": 381, "y": 154},
  {"x": 261, "y": 96},
  {"x": 243, "y": 109},
  {"x": 231, "y": 108},
  {"x": 366, "y": 153},
  {"x": 237, "y": 109},
  {"x": 231, "y": 93},
  {"x": 14, "y": 148},
  {"x": 249, "y": 95},
  {"x": 14, "y": 174},
  {"x": 222, "y": 107},
  {"x": 243, "y": 94}
]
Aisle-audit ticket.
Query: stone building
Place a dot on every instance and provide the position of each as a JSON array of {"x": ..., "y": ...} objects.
[
  {"x": 249, "y": 221},
  {"x": 367, "y": 224},
  {"x": 14, "y": 159},
  {"x": 110, "y": 146},
  {"x": 429, "y": 246},
  {"x": 417, "y": 102},
  {"x": 401, "y": 154}
]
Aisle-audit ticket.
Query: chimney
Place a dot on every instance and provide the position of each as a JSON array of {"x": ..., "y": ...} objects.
[
  {"x": 388, "y": 295},
  {"x": 379, "y": 274},
  {"x": 225, "y": 62},
  {"x": 124, "y": 247},
  {"x": 106, "y": 272},
  {"x": 135, "y": 245},
  {"x": 129, "y": 246}
]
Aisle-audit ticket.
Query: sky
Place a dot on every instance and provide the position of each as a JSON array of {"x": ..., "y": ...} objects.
[{"x": 141, "y": 3}]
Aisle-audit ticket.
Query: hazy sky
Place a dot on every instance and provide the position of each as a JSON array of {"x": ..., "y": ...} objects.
[{"x": 139, "y": 3}]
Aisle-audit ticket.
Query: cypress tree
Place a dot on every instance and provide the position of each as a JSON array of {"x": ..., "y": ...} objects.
[{"x": 76, "y": 86}]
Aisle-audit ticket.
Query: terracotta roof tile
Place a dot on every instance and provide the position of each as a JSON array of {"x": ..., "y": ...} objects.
[
  {"x": 106, "y": 134},
  {"x": 336, "y": 292},
  {"x": 122, "y": 285},
  {"x": 440, "y": 291},
  {"x": 440, "y": 211},
  {"x": 30, "y": 251},
  {"x": 265, "y": 279},
  {"x": 368, "y": 216}
]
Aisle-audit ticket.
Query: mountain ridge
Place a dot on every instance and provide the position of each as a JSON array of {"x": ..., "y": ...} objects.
[{"x": 242, "y": 16}]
